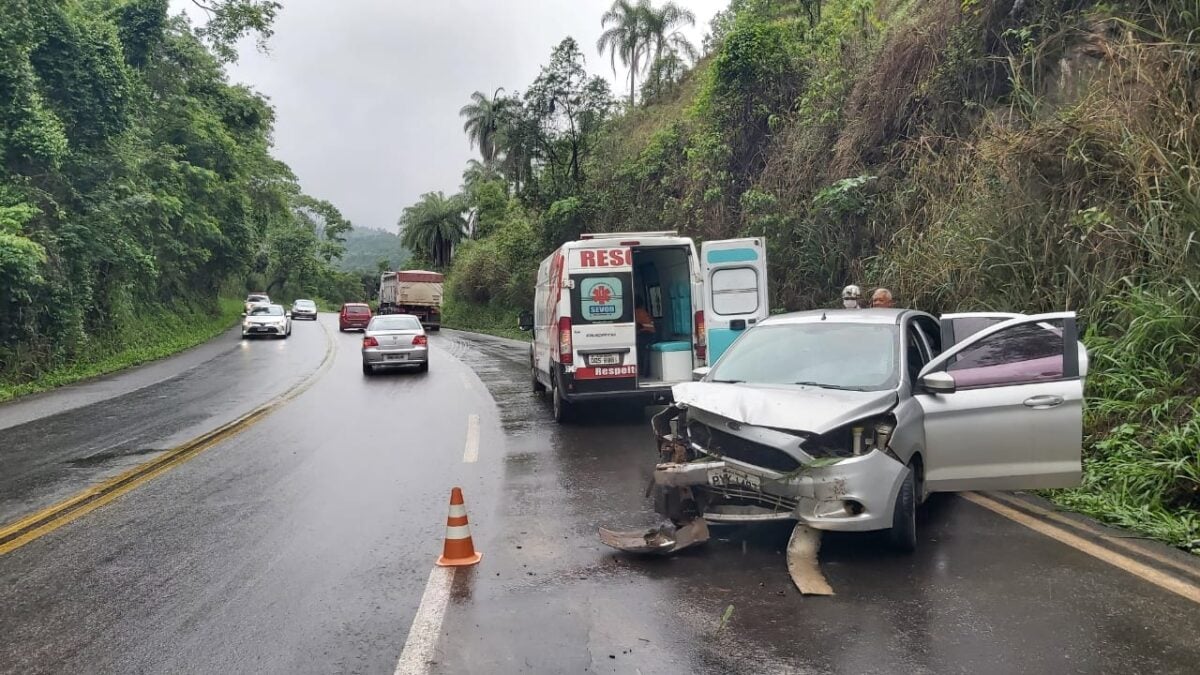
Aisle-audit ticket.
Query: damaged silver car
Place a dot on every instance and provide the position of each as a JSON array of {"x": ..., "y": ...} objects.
[{"x": 846, "y": 420}]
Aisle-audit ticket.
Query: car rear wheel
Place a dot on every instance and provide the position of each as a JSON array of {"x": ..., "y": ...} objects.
[
  {"x": 903, "y": 535},
  {"x": 424, "y": 367},
  {"x": 368, "y": 369}
]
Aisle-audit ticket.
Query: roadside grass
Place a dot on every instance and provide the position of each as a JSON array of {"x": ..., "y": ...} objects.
[
  {"x": 487, "y": 319},
  {"x": 1142, "y": 450},
  {"x": 152, "y": 335}
]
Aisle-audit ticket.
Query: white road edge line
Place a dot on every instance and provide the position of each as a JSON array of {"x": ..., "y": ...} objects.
[
  {"x": 427, "y": 624},
  {"x": 471, "y": 453}
]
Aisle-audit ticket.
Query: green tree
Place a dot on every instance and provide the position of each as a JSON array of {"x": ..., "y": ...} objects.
[
  {"x": 570, "y": 106},
  {"x": 662, "y": 30},
  {"x": 134, "y": 177},
  {"x": 231, "y": 20},
  {"x": 625, "y": 37},
  {"x": 641, "y": 35},
  {"x": 433, "y": 226},
  {"x": 478, "y": 172},
  {"x": 483, "y": 117}
]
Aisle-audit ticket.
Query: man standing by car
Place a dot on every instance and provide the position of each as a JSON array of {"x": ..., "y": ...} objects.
[
  {"x": 645, "y": 335},
  {"x": 882, "y": 298}
]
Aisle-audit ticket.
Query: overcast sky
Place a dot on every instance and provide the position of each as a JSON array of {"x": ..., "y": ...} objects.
[{"x": 367, "y": 92}]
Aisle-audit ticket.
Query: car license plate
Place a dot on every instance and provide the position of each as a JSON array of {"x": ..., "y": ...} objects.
[
  {"x": 395, "y": 357},
  {"x": 604, "y": 359},
  {"x": 732, "y": 478}
]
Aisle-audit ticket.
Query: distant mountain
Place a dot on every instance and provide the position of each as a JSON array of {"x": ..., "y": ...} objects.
[{"x": 366, "y": 246}]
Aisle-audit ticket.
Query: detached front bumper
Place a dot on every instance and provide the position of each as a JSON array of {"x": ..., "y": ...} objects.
[{"x": 856, "y": 494}]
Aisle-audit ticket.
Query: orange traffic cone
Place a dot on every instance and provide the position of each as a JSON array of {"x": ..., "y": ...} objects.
[{"x": 459, "y": 550}]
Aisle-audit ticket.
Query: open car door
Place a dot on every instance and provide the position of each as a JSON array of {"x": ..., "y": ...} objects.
[
  {"x": 1004, "y": 408},
  {"x": 959, "y": 326},
  {"x": 735, "y": 290}
]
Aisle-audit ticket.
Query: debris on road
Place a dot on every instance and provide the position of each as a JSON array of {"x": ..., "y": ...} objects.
[
  {"x": 676, "y": 476},
  {"x": 725, "y": 617},
  {"x": 802, "y": 562},
  {"x": 661, "y": 540}
]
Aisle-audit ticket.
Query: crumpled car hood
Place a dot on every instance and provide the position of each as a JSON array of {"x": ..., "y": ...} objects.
[{"x": 810, "y": 409}]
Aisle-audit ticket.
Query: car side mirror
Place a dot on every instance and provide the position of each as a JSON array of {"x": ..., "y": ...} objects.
[
  {"x": 525, "y": 320},
  {"x": 700, "y": 373},
  {"x": 940, "y": 382}
]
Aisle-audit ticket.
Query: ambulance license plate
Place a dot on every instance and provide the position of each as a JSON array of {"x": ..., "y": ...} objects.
[{"x": 604, "y": 360}]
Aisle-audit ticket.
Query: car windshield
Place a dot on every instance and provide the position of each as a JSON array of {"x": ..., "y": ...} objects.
[
  {"x": 394, "y": 323},
  {"x": 269, "y": 310},
  {"x": 357, "y": 309},
  {"x": 258, "y": 298},
  {"x": 305, "y": 303},
  {"x": 854, "y": 356}
]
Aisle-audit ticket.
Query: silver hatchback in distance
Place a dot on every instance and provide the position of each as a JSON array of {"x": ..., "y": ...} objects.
[{"x": 392, "y": 340}]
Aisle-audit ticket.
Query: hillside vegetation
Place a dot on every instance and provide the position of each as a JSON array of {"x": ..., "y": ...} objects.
[
  {"x": 137, "y": 186},
  {"x": 366, "y": 249},
  {"x": 969, "y": 154}
]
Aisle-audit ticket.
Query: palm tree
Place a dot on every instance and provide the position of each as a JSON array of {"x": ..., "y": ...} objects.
[
  {"x": 640, "y": 35},
  {"x": 626, "y": 38},
  {"x": 662, "y": 30},
  {"x": 478, "y": 172},
  {"x": 433, "y": 226},
  {"x": 482, "y": 121}
]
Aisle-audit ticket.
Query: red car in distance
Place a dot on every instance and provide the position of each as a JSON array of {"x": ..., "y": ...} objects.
[{"x": 354, "y": 316}]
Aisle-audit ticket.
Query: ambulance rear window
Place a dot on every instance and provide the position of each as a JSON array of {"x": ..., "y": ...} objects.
[{"x": 602, "y": 298}]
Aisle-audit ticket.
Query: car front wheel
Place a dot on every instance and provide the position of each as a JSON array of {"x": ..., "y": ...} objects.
[{"x": 903, "y": 534}]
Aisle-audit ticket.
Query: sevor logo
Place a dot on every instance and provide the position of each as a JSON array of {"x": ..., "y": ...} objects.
[{"x": 602, "y": 294}]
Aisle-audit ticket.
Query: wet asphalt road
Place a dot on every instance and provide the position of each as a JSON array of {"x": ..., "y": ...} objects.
[{"x": 303, "y": 544}]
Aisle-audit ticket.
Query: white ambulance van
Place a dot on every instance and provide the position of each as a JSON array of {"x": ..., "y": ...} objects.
[{"x": 585, "y": 343}]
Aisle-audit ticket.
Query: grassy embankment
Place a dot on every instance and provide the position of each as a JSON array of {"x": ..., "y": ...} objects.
[{"x": 147, "y": 336}]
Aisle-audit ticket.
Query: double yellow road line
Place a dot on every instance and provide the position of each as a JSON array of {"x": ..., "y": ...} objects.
[{"x": 53, "y": 517}]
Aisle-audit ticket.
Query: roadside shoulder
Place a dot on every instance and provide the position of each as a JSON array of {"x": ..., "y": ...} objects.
[{"x": 86, "y": 392}]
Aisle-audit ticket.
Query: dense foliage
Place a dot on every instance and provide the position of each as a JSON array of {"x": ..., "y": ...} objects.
[
  {"x": 135, "y": 179},
  {"x": 369, "y": 250},
  {"x": 969, "y": 154}
]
